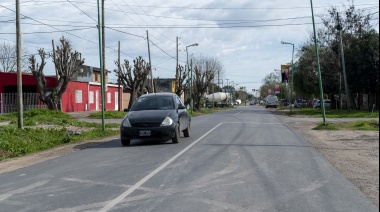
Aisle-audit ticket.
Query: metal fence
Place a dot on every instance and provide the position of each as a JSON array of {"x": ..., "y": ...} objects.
[{"x": 8, "y": 102}]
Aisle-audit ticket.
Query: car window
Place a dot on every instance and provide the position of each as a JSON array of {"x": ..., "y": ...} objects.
[
  {"x": 154, "y": 103},
  {"x": 179, "y": 101}
]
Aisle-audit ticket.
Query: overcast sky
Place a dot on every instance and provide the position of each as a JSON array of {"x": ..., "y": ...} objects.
[{"x": 244, "y": 35}]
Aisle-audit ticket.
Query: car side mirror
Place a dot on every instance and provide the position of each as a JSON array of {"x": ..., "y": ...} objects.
[
  {"x": 126, "y": 110},
  {"x": 181, "y": 107}
]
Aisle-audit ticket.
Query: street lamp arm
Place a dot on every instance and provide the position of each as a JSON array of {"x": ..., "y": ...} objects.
[{"x": 195, "y": 44}]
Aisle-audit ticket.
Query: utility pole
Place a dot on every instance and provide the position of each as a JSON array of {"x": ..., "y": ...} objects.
[
  {"x": 104, "y": 50},
  {"x": 347, "y": 89},
  {"x": 101, "y": 67},
  {"x": 20, "y": 108},
  {"x": 319, "y": 65},
  {"x": 227, "y": 90},
  {"x": 176, "y": 68},
  {"x": 150, "y": 61},
  {"x": 219, "y": 80},
  {"x": 56, "y": 72},
  {"x": 191, "y": 86},
  {"x": 118, "y": 77}
]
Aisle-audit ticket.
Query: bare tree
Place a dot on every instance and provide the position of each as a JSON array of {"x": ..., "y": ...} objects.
[
  {"x": 205, "y": 71},
  {"x": 8, "y": 57},
  {"x": 182, "y": 84},
  {"x": 67, "y": 65},
  {"x": 134, "y": 79}
]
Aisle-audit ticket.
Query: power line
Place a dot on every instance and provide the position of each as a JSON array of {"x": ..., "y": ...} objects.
[
  {"x": 127, "y": 33},
  {"x": 60, "y": 30},
  {"x": 82, "y": 11},
  {"x": 133, "y": 20},
  {"x": 240, "y": 8},
  {"x": 215, "y": 27},
  {"x": 151, "y": 19},
  {"x": 29, "y": 33}
]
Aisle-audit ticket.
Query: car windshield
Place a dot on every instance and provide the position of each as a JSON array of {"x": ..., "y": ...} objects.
[{"x": 154, "y": 103}]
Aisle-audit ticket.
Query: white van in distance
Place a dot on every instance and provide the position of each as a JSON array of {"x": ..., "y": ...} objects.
[{"x": 271, "y": 101}]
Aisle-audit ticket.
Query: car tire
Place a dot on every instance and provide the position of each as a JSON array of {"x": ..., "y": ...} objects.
[
  {"x": 177, "y": 134},
  {"x": 187, "y": 132},
  {"x": 125, "y": 142}
]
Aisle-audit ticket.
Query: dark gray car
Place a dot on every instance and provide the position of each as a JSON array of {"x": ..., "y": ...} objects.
[{"x": 156, "y": 116}]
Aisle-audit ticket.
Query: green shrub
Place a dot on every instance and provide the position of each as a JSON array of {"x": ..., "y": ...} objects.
[
  {"x": 15, "y": 142},
  {"x": 109, "y": 115}
]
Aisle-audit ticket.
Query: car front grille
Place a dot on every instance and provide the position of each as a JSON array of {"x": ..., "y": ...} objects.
[{"x": 146, "y": 125}]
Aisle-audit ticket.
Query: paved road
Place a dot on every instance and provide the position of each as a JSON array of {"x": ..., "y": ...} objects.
[{"x": 244, "y": 159}]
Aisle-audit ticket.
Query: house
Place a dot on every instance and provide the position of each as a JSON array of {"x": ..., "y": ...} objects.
[{"x": 83, "y": 92}]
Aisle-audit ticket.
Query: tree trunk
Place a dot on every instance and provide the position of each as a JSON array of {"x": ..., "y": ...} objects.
[
  {"x": 132, "y": 99},
  {"x": 49, "y": 101}
]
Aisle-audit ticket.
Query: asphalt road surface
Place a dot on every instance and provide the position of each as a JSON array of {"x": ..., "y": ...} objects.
[{"x": 239, "y": 160}]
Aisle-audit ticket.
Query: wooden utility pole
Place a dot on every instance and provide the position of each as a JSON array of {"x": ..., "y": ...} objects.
[
  {"x": 56, "y": 73},
  {"x": 150, "y": 61},
  {"x": 350, "y": 102},
  {"x": 118, "y": 75},
  {"x": 19, "y": 68},
  {"x": 176, "y": 68}
]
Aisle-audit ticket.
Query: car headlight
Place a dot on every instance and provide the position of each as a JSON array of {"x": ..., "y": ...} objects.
[
  {"x": 167, "y": 122},
  {"x": 126, "y": 123}
]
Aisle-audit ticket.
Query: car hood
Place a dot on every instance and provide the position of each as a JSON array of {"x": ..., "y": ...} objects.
[{"x": 148, "y": 116}]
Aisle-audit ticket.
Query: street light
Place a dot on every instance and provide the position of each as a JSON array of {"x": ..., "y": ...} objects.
[
  {"x": 291, "y": 86},
  {"x": 191, "y": 78}
]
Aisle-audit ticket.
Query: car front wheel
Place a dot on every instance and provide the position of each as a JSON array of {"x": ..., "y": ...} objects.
[
  {"x": 187, "y": 132},
  {"x": 175, "y": 139},
  {"x": 125, "y": 142}
]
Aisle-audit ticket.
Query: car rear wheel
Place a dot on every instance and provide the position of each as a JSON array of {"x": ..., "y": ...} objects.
[
  {"x": 187, "y": 132},
  {"x": 125, "y": 142},
  {"x": 175, "y": 139}
]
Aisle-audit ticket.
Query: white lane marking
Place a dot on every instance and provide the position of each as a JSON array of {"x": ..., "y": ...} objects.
[
  {"x": 239, "y": 112},
  {"x": 118, "y": 199},
  {"x": 260, "y": 123},
  {"x": 22, "y": 190}
]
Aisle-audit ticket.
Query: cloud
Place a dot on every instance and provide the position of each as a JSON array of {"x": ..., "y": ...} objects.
[{"x": 244, "y": 35}]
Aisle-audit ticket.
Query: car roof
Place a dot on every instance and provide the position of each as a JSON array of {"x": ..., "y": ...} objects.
[{"x": 158, "y": 94}]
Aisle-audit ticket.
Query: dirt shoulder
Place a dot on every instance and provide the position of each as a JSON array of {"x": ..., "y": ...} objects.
[{"x": 354, "y": 153}]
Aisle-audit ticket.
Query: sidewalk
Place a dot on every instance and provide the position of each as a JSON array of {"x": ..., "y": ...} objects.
[{"x": 78, "y": 115}]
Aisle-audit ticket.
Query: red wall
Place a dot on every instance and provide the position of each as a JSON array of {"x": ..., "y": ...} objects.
[
  {"x": 109, "y": 106},
  {"x": 113, "y": 91},
  {"x": 69, "y": 97},
  {"x": 27, "y": 79},
  {"x": 97, "y": 102}
]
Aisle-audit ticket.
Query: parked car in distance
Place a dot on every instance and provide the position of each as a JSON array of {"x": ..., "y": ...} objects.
[
  {"x": 271, "y": 101},
  {"x": 300, "y": 104},
  {"x": 285, "y": 102},
  {"x": 317, "y": 104},
  {"x": 156, "y": 116}
]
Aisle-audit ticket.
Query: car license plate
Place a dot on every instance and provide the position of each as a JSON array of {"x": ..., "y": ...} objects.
[{"x": 145, "y": 133}]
